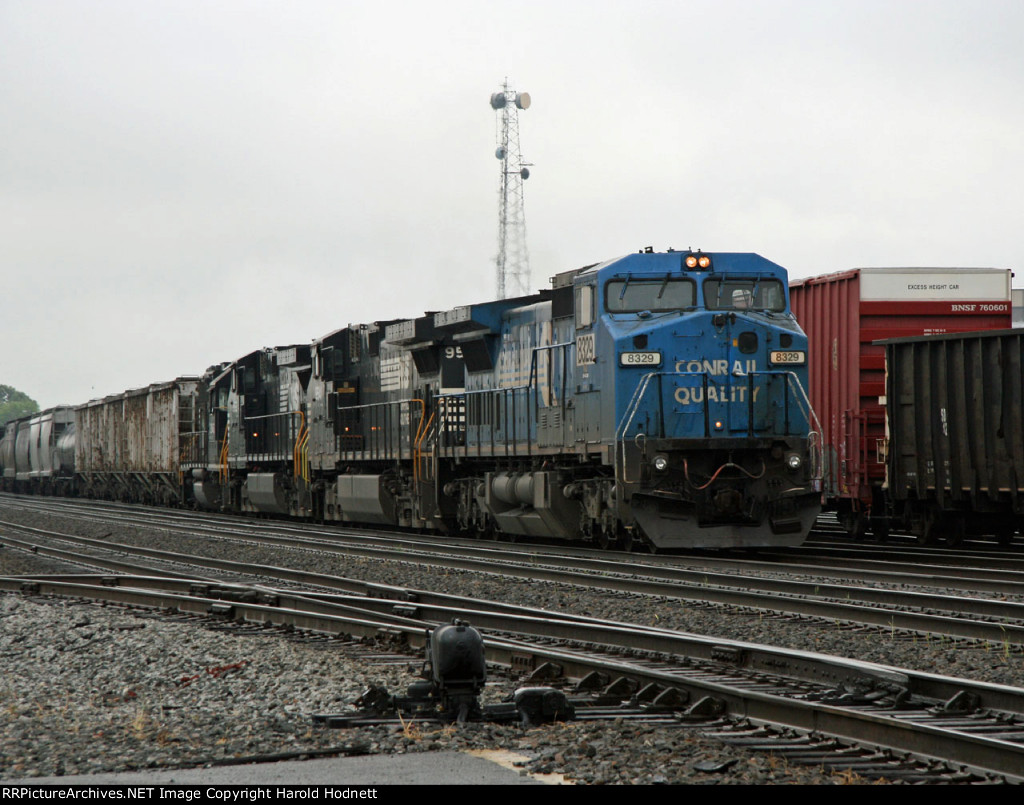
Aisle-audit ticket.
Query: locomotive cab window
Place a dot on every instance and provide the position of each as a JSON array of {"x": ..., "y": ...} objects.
[
  {"x": 584, "y": 306},
  {"x": 745, "y": 294},
  {"x": 654, "y": 295}
]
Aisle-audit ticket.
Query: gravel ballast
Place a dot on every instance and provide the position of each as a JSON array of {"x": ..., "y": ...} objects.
[{"x": 88, "y": 688}]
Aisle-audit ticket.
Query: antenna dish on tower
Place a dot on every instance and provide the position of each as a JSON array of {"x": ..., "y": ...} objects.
[{"x": 513, "y": 261}]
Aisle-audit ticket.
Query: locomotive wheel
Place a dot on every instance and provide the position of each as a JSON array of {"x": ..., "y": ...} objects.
[
  {"x": 609, "y": 537},
  {"x": 473, "y": 527},
  {"x": 491, "y": 531},
  {"x": 880, "y": 528}
]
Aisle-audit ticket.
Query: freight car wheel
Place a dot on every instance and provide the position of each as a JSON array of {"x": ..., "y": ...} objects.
[
  {"x": 955, "y": 529},
  {"x": 922, "y": 524},
  {"x": 856, "y": 525},
  {"x": 1004, "y": 531}
]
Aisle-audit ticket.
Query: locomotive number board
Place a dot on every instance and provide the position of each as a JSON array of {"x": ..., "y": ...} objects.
[
  {"x": 791, "y": 357},
  {"x": 639, "y": 359}
]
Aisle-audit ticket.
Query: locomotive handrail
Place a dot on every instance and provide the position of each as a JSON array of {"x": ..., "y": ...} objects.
[
  {"x": 627, "y": 419},
  {"x": 506, "y": 393},
  {"x": 269, "y": 416},
  {"x": 423, "y": 426},
  {"x": 304, "y": 457},
  {"x": 534, "y": 381},
  {"x": 421, "y": 434},
  {"x": 300, "y": 467},
  {"x": 274, "y": 447},
  {"x": 224, "y": 472},
  {"x": 814, "y": 435},
  {"x": 386, "y": 428}
]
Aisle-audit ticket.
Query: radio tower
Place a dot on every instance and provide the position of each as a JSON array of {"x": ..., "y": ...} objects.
[{"x": 513, "y": 260}]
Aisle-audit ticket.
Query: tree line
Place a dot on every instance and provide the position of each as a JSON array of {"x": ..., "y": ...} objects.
[{"x": 15, "y": 404}]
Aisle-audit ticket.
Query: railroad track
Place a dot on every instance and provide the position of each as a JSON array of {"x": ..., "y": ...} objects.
[
  {"x": 956, "y": 613},
  {"x": 938, "y": 705},
  {"x": 975, "y": 727},
  {"x": 981, "y": 567}
]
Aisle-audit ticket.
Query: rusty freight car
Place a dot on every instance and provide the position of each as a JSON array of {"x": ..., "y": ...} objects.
[{"x": 127, "y": 445}]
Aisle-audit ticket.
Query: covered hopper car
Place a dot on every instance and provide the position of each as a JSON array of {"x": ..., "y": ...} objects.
[{"x": 37, "y": 453}]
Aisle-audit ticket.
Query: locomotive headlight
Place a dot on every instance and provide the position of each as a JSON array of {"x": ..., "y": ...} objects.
[
  {"x": 691, "y": 261},
  {"x": 793, "y": 461},
  {"x": 660, "y": 463},
  {"x": 704, "y": 261}
]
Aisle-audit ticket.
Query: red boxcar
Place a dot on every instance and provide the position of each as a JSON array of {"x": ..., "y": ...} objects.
[{"x": 843, "y": 314}]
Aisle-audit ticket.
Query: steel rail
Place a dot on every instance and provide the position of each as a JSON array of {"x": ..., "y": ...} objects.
[
  {"x": 404, "y": 604},
  {"x": 1009, "y": 581},
  {"x": 898, "y": 730},
  {"x": 941, "y": 625}
]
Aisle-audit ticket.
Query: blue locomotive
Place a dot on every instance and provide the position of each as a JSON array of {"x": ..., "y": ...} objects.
[{"x": 658, "y": 398}]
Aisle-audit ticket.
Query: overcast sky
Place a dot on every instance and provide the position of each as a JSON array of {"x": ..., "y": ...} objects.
[{"x": 183, "y": 182}]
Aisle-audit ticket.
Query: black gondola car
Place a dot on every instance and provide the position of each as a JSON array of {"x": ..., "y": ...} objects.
[{"x": 956, "y": 434}]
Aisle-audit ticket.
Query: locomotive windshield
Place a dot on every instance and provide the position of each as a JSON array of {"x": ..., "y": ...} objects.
[
  {"x": 633, "y": 295},
  {"x": 744, "y": 294}
]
